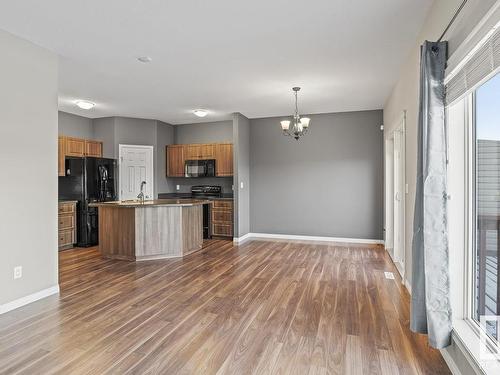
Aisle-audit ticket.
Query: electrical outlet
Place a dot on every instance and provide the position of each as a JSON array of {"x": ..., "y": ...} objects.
[
  {"x": 389, "y": 275},
  {"x": 18, "y": 272},
  {"x": 177, "y": 187},
  {"x": 241, "y": 185}
]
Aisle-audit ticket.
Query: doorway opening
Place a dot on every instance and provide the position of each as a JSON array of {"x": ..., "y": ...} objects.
[{"x": 395, "y": 191}]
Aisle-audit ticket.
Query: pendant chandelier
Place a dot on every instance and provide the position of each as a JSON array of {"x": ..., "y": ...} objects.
[{"x": 300, "y": 124}]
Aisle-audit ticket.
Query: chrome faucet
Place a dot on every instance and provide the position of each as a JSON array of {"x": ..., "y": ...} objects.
[{"x": 141, "y": 194}]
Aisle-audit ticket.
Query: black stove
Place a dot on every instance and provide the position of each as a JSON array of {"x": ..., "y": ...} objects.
[{"x": 206, "y": 191}]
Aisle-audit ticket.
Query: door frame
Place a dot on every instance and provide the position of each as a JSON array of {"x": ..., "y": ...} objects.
[
  {"x": 390, "y": 194},
  {"x": 120, "y": 160}
]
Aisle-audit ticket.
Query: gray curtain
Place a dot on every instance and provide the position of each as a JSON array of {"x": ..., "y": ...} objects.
[{"x": 430, "y": 303}]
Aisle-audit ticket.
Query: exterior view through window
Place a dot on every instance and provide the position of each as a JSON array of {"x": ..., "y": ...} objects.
[{"x": 487, "y": 202}]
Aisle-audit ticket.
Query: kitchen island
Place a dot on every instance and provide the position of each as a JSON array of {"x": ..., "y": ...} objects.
[{"x": 153, "y": 229}]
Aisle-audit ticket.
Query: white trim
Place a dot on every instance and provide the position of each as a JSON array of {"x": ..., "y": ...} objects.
[
  {"x": 468, "y": 342},
  {"x": 450, "y": 362},
  {"x": 312, "y": 238},
  {"x": 407, "y": 284},
  {"x": 242, "y": 238},
  {"x": 9, "y": 306}
]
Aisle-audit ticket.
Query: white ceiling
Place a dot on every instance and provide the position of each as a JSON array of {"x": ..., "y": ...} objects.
[{"x": 223, "y": 55}]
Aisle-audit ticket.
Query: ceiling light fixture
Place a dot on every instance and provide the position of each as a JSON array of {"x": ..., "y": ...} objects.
[
  {"x": 85, "y": 104},
  {"x": 144, "y": 59},
  {"x": 200, "y": 112},
  {"x": 300, "y": 124}
]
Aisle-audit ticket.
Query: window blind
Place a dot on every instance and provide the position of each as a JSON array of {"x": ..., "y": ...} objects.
[{"x": 480, "y": 64}]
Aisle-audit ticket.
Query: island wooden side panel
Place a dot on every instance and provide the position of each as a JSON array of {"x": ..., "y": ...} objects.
[
  {"x": 158, "y": 232},
  {"x": 117, "y": 232},
  {"x": 192, "y": 229}
]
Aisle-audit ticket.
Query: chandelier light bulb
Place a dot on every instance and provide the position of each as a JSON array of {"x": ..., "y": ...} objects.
[
  {"x": 285, "y": 124},
  {"x": 300, "y": 125}
]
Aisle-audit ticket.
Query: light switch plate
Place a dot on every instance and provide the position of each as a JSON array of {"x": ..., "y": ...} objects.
[
  {"x": 241, "y": 184},
  {"x": 18, "y": 272},
  {"x": 177, "y": 187}
]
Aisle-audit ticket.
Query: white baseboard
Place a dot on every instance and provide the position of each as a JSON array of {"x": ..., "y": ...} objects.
[
  {"x": 408, "y": 286},
  {"x": 307, "y": 238},
  {"x": 450, "y": 362},
  {"x": 9, "y": 306},
  {"x": 242, "y": 238}
]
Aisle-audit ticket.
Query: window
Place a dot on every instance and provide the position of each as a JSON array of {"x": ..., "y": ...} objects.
[{"x": 486, "y": 182}]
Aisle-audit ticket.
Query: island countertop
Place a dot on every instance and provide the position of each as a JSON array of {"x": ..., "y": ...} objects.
[{"x": 152, "y": 203}]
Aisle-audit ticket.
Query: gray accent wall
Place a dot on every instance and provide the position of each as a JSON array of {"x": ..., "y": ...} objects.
[
  {"x": 329, "y": 183},
  {"x": 104, "y": 130},
  {"x": 75, "y": 126},
  {"x": 28, "y": 155},
  {"x": 241, "y": 150},
  {"x": 207, "y": 132}
]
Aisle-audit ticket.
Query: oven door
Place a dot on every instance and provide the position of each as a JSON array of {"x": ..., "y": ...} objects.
[{"x": 195, "y": 168}]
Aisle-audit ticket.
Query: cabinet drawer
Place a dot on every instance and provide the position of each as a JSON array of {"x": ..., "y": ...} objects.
[
  {"x": 66, "y": 208},
  {"x": 227, "y": 205},
  {"x": 222, "y": 230},
  {"x": 66, "y": 222},
  {"x": 66, "y": 237},
  {"x": 226, "y": 216}
]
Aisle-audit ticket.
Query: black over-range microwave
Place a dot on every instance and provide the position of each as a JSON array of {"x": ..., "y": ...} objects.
[{"x": 200, "y": 168}]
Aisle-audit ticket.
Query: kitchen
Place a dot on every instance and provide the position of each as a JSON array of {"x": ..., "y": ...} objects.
[{"x": 190, "y": 164}]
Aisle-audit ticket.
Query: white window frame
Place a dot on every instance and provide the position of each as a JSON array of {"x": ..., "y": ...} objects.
[{"x": 467, "y": 332}]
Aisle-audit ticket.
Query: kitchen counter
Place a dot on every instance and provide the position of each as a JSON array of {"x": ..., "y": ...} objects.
[
  {"x": 155, "y": 229},
  {"x": 151, "y": 203},
  {"x": 190, "y": 196}
]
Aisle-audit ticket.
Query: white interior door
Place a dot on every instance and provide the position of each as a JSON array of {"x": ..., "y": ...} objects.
[
  {"x": 399, "y": 201},
  {"x": 136, "y": 166},
  {"x": 389, "y": 196},
  {"x": 395, "y": 195}
]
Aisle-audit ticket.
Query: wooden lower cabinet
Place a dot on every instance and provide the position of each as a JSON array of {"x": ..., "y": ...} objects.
[
  {"x": 222, "y": 218},
  {"x": 67, "y": 225}
]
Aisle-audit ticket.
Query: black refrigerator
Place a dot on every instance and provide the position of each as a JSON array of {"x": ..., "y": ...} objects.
[{"x": 88, "y": 180}]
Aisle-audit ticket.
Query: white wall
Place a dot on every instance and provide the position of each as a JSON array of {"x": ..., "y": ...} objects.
[
  {"x": 28, "y": 157},
  {"x": 241, "y": 153},
  {"x": 405, "y": 97},
  {"x": 405, "y": 93}
]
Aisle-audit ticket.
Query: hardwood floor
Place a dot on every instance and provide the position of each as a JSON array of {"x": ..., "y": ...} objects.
[{"x": 261, "y": 307}]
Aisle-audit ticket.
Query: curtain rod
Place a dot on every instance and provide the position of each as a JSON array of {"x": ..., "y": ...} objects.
[{"x": 452, "y": 20}]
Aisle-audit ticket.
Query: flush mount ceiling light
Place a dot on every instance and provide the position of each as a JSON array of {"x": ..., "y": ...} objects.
[
  {"x": 144, "y": 59},
  {"x": 85, "y": 104},
  {"x": 200, "y": 112},
  {"x": 300, "y": 124}
]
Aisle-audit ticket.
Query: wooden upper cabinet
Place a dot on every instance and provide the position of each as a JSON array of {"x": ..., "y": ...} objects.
[
  {"x": 71, "y": 146},
  {"x": 61, "y": 144},
  {"x": 221, "y": 152},
  {"x": 200, "y": 151},
  {"x": 175, "y": 160},
  {"x": 224, "y": 159},
  {"x": 75, "y": 146},
  {"x": 93, "y": 148}
]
